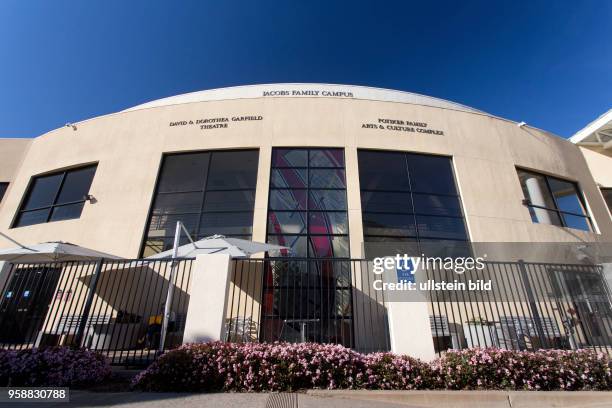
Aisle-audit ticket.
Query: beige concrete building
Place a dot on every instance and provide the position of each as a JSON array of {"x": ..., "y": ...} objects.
[
  {"x": 487, "y": 156},
  {"x": 329, "y": 171}
]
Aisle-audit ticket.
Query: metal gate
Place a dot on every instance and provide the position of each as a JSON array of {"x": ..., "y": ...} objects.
[
  {"x": 306, "y": 300},
  {"x": 111, "y": 306}
]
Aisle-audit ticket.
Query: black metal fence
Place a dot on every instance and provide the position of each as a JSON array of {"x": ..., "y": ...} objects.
[
  {"x": 111, "y": 306},
  {"x": 116, "y": 306},
  {"x": 530, "y": 306},
  {"x": 314, "y": 300}
]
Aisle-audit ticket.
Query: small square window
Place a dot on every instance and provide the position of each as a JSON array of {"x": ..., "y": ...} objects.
[{"x": 554, "y": 201}]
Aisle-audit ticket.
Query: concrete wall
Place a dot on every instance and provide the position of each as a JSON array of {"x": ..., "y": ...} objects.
[
  {"x": 12, "y": 153},
  {"x": 600, "y": 166},
  {"x": 128, "y": 148}
]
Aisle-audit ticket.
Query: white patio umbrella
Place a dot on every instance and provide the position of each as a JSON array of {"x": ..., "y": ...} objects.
[
  {"x": 51, "y": 251},
  {"x": 218, "y": 244}
]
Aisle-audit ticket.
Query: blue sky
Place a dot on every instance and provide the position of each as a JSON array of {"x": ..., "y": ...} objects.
[{"x": 546, "y": 63}]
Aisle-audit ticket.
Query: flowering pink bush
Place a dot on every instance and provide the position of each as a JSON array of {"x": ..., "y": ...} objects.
[
  {"x": 58, "y": 367},
  {"x": 221, "y": 366},
  {"x": 491, "y": 368}
]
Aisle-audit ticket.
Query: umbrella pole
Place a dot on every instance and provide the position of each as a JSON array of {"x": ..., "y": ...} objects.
[{"x": 167, "y": 306}]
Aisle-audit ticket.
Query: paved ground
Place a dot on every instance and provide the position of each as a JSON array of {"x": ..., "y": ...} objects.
[
  {"x": 221, "y": 400},
  {"x": 337, "y": 399}
]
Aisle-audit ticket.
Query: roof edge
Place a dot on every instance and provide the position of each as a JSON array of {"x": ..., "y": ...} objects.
[{"x": 300, "y": 90}]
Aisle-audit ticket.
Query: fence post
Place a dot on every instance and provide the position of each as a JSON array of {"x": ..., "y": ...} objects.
[
  {"x": 86, "y": 309},
  {"x": 208, "y": 300},
  {"x": 532, "y": 302}
]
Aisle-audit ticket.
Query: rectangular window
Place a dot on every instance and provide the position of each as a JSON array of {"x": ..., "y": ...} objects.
[
  {"x": 308, "y": 299},
  {"x": 307, "y": 208},
  {"x": 210, "y": 192},
  {"x": 607, "y": 194},
  {"x": 408, "y": 198},
  {"x": 56, "y": 197},
  {"x": 554, "y": 201},
  {"x": 3, "y": 188}
]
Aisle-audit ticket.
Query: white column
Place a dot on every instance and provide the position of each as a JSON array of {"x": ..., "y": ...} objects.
[
  {"x": 536, "y": 196},
  {"x": 409, "y": 327},
  {"x": 207, "y": 298}
]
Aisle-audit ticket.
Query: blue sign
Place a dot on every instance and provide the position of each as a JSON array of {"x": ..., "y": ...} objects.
[{"x": 405, "y": 270}]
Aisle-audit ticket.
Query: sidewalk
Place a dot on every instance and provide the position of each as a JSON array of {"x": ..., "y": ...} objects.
[
  {"x": 337, "y": 399},
  {"x": 216, "y": 400},
  {"x": 475, "y": 399}
]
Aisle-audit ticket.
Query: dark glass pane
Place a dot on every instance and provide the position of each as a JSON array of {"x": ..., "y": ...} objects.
[
  {"x": 390, "y": 246},
  {"x": 566, "y": 195},
  {"x": 160, "y": 244},
  {"x": 326, "y": 158},
  {"x": 388, "y": 224},
  {"x": 325, "y": 190},
  {"x": 535, "y": 189},
  {"x": 328, "y": 247},
  {"x": 289, "y": 178},
  {"x": 390, "y": 239},
  {"x": 542, "y": 216},
  {"x": 287, "y": 222},
  {"x": 327, "y": 200},
  {"x": 327, "y": 178},
  {"x": 296, "y": 243},
  {"x": 178, "y": 203},
  {"x": 165, "y": 225},
  {"x": 607, "y": 193},
  {"x": 184, "y": 172},
  {"x": 441, "y": 227},
  {"x": 445, "y": 248},
  {"x": 386, "y": 202},
  {"x": 328, "y": 223},
  {"x": 32, "y": 217},
  {"x": 43, "y": 191},
  {"x": 436, "y": 205},
  {"x": 229, "y": 200},
  {"x": 239, "y": 223},
  {"x": 288, "y": 199},
  {"x": 76, "y": 185},
  {"x": 3, "y": 188},
  {"x": 233, "y": 170},
  {"x": 577, "y": 222},
  {"x": 431, "y": 174},
  {"x": 383, "y": 171},
  {"x": 290, "y": 158},
  {"x": 67, "y": 212}
]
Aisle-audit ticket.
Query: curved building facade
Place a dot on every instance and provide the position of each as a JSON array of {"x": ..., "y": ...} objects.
[{"x": 324, "y": 169}]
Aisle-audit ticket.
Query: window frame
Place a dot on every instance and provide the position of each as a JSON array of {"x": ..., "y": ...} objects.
[
  {"x": 307, "y": 211},
  {"x": 202, "y": 193},
  {"x": 54, "y": 204},
  {"x": 579, "y": 193},
  {"x": 419, "y": 236}
]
